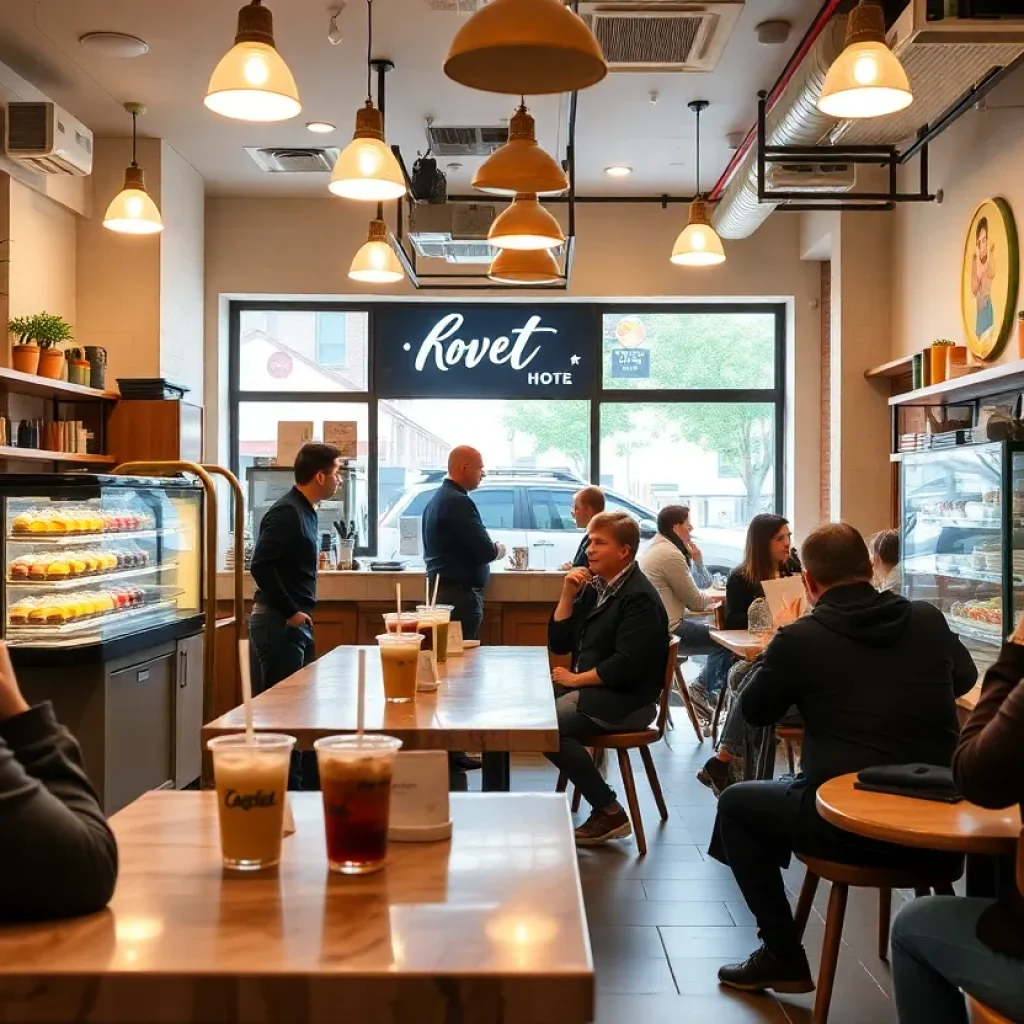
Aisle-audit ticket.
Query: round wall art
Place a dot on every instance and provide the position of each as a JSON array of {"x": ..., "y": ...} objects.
[{"x": 989, "y": 277}]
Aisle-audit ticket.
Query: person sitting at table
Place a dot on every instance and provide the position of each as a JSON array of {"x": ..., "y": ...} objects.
[
  {"x": 58, "y": 857},
  {"x": 585, "y": 505},
  {"x": 610, "y": 618},
  {"x": 875, "y": 677},
  {"x": 885, "y": 560},
  {"x": 943, "y": 946}
]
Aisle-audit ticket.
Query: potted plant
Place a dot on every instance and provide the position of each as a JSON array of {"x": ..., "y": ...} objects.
[
  {"x": 44, "y": 332},
  {"x": 938, "y": 359},
  {"x": 25, "y": 352}
]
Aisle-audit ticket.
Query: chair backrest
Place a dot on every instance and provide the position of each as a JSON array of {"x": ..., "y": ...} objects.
[{"x": 666, "y": 688}]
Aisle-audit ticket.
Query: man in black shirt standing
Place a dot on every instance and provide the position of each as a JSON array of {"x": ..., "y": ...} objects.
[{"x": 585, "y": 505}]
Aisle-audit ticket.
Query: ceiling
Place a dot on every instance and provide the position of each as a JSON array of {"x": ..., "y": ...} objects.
[{"x": 617, "y": 122}]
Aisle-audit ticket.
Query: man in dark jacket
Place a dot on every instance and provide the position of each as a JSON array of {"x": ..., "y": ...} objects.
[
  {"x": 874, "y": 677},
  {"x": 585, "y": 505},
  {"x": 612, "y": 622}
]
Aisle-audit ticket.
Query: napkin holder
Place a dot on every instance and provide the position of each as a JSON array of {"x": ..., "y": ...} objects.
[
  {"x": 455, "y": 648},
  {"x": 419, "y": 797},
  {"x": 427, "y": 678}
]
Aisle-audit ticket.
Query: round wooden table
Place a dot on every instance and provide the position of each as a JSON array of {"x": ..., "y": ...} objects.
[{"x": 927, "y": 824}]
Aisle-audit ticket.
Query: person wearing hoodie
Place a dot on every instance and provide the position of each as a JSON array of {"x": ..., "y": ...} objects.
[{"x": 875, "y": 677}]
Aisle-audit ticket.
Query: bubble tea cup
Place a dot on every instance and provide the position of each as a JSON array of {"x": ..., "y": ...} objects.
[{"x": 399, "y": 661}]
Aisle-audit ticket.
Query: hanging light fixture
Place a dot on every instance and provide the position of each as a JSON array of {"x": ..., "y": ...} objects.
[
  {"x": 521, "y": 165},
  {"x": 525, "y": 48},
  {"x": 698, "y": 244},
  {"x": 252, "y": 81},
  {"x": 525, "y": 266},
  {"x": 132, "y": 211},
  {"x": 376, "y": 262},
  {"x": 367, "y": 169},
  {"x": 866, "y": 79},
  {"x": 525, "y": 224}
]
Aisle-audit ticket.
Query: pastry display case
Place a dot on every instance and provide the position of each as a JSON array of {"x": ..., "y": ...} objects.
[{"x": 963, "y": 539}]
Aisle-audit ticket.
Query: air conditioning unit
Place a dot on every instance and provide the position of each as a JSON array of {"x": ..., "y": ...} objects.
[
  {"x": 943, "y": 59},
  {"x": 810, "y": 178},
  {"x": 42, "y": 136},
  {"x": 453, "y": 232}
]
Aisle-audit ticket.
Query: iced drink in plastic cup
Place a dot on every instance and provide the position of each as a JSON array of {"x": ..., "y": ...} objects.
[
  {"x": 399, "y": 658},
  {"x": 434, "y": 621},
  {"x": 252, "y": 787},
  {"x": 408, "y": 623},
  {"x": 355, "y": 777}
]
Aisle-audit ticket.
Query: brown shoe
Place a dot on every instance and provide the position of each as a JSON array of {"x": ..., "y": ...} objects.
[{"x": 610, "y": 822}]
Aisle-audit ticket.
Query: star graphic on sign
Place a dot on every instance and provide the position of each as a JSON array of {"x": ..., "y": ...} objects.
[{"x": 574, "y": 360}]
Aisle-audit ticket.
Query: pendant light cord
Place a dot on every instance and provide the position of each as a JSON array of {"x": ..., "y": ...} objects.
[
  {"x": 369, "y": 47},
  {"x": 698, "y": 151},
  {"x": 135, "y": 118}
]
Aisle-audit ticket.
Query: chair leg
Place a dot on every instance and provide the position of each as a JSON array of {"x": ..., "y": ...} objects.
[
  {"x": 830, "y": 951},
  {"x": 684, "y": 693},
  {"x": 789, "y": 757},
  {"x": 719, "y": 708},
  {"x": 626, "y": 770},
  {"x": 805, "y": 902},
  {"x": 944, "y": 889},
  {"x": 652, "y": 778},
  {"x": 884, "y": 914},
  {"x": 563, "y": 782},
  {"x": 577, "y": 796},
  {"x": 922, "y": 890}
]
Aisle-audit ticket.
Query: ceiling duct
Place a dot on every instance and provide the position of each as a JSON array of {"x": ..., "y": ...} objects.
[
  {"x": 466, "y": 140},
  {"x": 305, "y": 160},
  {"x": 453, "y": 232},
  {"x": 456, "y": 6}
]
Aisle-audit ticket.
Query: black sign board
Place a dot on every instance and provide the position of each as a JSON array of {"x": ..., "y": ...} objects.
[
  {"x": 631, "y": 362},
  {"x": 519, "y": 351}
]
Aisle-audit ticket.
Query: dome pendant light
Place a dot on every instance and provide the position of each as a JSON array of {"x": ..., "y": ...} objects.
[
  {"x": 367, "y": 169},
  {"x": 525, "y": 267},
  {"x": 132, "y": 211},
  {"x": 252, "y": 81},
  {"x": 698, "y": 244},
  {"x": 521, "y": 165},
  {"x": 525, "y": 48},
  {"x": 525, "y": 224},
  {"x": 866, "y": 79},
  {"x": 376, "y": 262}
]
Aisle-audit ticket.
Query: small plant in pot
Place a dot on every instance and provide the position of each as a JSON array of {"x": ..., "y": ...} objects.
[{"x": 43, "y": 333}]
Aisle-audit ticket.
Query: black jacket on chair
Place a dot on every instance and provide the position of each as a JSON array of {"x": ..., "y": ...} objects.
[{"x": 625, "y": 640}]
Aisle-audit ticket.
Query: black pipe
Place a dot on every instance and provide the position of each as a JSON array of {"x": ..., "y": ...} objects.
[{"x": 661, "y": 200}]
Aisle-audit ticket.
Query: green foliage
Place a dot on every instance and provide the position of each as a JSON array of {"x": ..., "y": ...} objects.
[
  {"x": 47, "y": 330},
  {"x": 943, "y": 343}
]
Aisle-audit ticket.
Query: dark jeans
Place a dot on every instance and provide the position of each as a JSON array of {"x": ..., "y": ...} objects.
[
  {"x": 467, "y": 606},
  {"x": 694, "y": 638},
  {"x": 574, "y": 728},
  {"x": 760, "y": 824},
  {"x": 277, "y": 651},
  {"x": 716, "y": 671}
]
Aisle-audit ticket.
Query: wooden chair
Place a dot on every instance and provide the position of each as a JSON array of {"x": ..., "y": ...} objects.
[
  {"x": 623, "y": 742},
  {"x": 842, "y": 877},
  {"x": 684, "y": 695},
  {"x": 791, "y": 737},
  {"x": 982, "y": 1014}
]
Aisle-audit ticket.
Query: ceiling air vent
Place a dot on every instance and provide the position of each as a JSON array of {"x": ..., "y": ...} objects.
[
  {"x": 456, "y": 6},
  {"x": 662, "y": 36},
  {"x": 277, "y": 160},
  {"x": 467, "y": 140}
]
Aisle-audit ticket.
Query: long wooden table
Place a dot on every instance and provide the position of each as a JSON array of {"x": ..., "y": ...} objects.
[
  {"x": 741, "y": 642},
  {"x": 486, "y": 928},
  {"x": 492, "y": 699}
]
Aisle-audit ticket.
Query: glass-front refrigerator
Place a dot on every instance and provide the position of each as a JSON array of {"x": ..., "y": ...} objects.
[{"x": 963, "y": 539}]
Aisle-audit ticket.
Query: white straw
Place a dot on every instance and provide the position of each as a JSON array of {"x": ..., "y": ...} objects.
[
  {"x": 398, "y": 603},
  {"x": 426, "y": 590},
  {"x": 437, "y": 583},
  {"x": 243, "y": 668},
  {"x": 361, "y": 696}
]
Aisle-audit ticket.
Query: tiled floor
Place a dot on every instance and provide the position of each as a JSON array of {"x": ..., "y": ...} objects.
[{"x": 661, "y": 925}]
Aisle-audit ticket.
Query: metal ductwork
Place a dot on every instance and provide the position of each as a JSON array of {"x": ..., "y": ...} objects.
[{"x": 794, "y": 120}]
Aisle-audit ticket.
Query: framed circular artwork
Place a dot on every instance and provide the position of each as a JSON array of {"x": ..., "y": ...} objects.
[{"x": 989, "y": 277}]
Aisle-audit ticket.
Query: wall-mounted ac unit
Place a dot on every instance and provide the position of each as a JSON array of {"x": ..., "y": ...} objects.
[
  {"x": 810, "y": 178},
  {"x": 42, "y": 136},
  {"x": 453, "y": 232}
]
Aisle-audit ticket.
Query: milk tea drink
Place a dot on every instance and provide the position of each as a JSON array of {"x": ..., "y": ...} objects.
[
  {"x": 434, "y": 620},
  {"x": 399, "y": 658}
]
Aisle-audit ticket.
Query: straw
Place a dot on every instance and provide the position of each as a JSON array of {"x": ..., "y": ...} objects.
[
  {"x": 437, "y": 583},
  {"x": 426, "y": 590},
  {"x": 243, "y": 667},
  {"x": 361, "y": 696},
  {"x": 398, "y": 603}
]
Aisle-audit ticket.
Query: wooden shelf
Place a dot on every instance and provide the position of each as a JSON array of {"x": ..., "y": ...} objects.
[
  {"x": 897, "y": 368},
  {"x": 17, "y": 383},
  {"x": 990, "y": 381},
  {"x": 42, "y": 455}
]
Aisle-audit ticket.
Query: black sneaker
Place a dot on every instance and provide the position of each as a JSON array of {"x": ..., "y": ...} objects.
[
  {"x": 763, "y": 970},
  {"x": 714, "y": 775}
]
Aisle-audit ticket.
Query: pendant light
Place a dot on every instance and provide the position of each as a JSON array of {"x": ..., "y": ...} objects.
[
  {"x": 525, "y": 48},
  {"x": 698, "y": 244},
  {"x": 521, "y": 165},
  {"x": 367, "y": 169},
  {"x": 525, "y": 267},
  {"x": 866, "y": 79},
  {"x": 132, "y": 211},
  {"x": 252, "y": 81},
  {"x": 376, "y": 262},
  {"x": 525, "y": 224}
]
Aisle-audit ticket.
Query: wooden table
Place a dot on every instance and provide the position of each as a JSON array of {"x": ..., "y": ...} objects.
[
  {"x": 741, "y": 642},
  {"x": 926, "y": 824},
  {"x": 487, "y": 927},
  {"x": 492, "y": 699}
]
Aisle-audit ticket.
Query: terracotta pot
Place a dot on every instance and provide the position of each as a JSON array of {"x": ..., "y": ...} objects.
[
  {"x": 51, "y": 363},
  {"x": 937, "y": 354},
  {"x": 25, "y": 358}
]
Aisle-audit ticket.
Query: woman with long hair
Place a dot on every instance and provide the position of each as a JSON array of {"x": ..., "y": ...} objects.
[{"x": 768, "y": 555}]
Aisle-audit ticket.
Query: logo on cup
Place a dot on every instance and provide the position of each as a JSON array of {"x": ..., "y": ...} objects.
[{"x": 247, "y": 801}]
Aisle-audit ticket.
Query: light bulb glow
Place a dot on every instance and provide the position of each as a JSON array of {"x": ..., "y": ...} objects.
[
  {"x": 368, "y": 160},
  {"x": 133, "y": 212},
  {"x": 865, "y": 80},
  {"x": 255, "y": 70},
  {"x": 367, "y": 170},
  {"x": 698, "y": 241},
  {"x": 253, "y": 83},
  {"x": 376, "y": 263},
  {"x": 134, "y": 207},
  {"x": 865, "y": 69}
]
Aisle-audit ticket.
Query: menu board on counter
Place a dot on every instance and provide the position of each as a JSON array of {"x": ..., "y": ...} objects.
[
  {"x": 342, "y": 434},
  {"x": 291, "y": 436}
]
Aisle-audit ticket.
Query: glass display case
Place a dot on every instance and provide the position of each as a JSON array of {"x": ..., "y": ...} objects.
[
  {"x": 88, "y": 559},
  {"x": 963, "y": 539}
]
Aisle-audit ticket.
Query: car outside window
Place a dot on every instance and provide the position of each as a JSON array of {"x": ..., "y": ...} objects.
[{"x": 497, "y": 507}]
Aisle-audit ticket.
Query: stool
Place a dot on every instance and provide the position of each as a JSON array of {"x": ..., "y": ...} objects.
[
  {"x": 982, "y": 1014},
  {"x": 842, "y": 876},
  {"x": 790, "y": 736},
  {"x": 684, "y": 693}
]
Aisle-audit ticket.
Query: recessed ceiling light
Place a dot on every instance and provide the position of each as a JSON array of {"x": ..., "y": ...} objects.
[
  {"x": 618, "y": 171},
  {"x": 320, "y": 127},
  {"x": 114, "y": 44}
]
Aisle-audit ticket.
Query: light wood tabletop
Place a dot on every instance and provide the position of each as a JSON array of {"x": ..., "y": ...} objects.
[
  {"x": 963, "y": 827},
  {"x": 486, "y": 927},
  {"x": 969, "y": 701},
  {"x": 741, "y": 642}
]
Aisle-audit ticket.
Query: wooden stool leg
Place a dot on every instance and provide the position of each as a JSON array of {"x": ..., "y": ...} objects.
[
  {"x": 830, "y": 951},
  {"x": 684, "y": 694},
  {"x": 884, "y": 913},
  {"x": 634, "y": 807},
  {"x": 719, "y": 707},
  {"x": 652, "y": 778},
  {"x": 805, "y": 902},
  {"x": 789, "y": 757},
  {"x": 563, "y": 782},
  {"x": 577, "y": 796}
]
